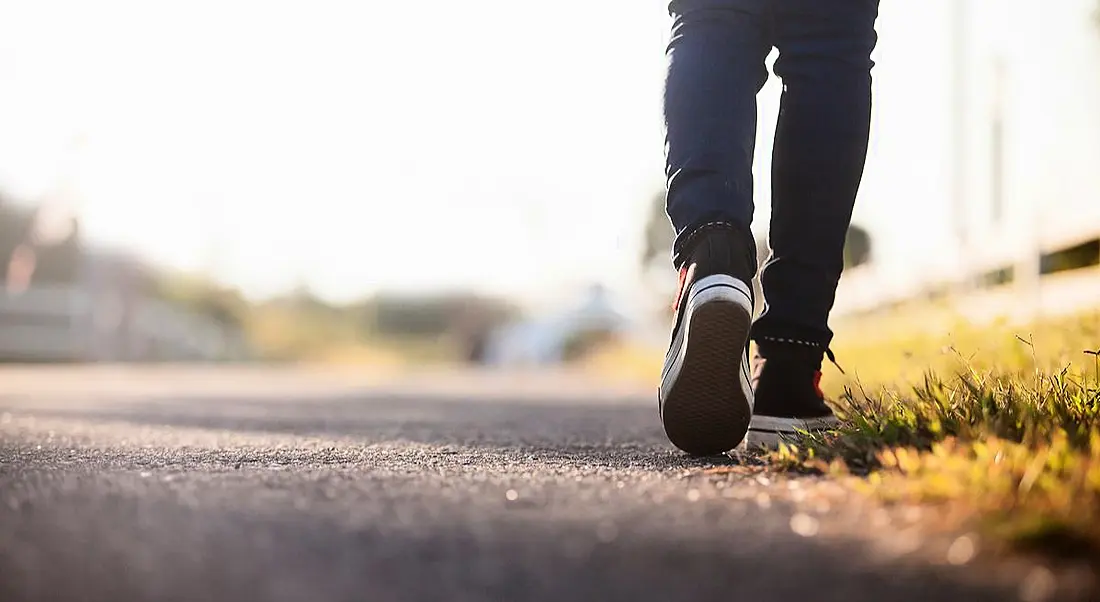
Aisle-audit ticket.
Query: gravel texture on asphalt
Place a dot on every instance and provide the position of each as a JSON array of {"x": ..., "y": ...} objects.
[{"x": 238, "y": 485}]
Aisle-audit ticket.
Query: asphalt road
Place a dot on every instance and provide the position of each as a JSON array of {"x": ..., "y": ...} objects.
[{"x": 281, "y": 485}]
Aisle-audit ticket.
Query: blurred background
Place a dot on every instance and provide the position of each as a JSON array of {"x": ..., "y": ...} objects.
[{"x": 403, "y": 184}]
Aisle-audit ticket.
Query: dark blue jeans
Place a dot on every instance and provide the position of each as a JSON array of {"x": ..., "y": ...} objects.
[{"x": 716, "y": 69}]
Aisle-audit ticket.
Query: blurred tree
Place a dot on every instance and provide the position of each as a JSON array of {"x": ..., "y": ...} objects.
[
  {"x": 459, "y": 314},
  {"x": 201, "y": 296},
  {"x": 581, "y": 343},
  {"x": 857, "y": 247},
  {"x": 285, "y": 328},
  {"x": 300, "y": 324}
]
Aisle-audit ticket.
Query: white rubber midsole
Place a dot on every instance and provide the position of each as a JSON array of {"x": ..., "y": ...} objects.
[
  {"x": 770, "y": 431},
  {"x": 718, "y": 288}
]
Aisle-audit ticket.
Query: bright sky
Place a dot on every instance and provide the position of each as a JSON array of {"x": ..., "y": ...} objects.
[
  {"x": 354, "y": 145},
  {"x": 507, "y": 146}
]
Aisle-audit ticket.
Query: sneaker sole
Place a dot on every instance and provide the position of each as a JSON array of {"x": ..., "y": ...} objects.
[
  {"x": 706, "y": 395},
  {"x": 767, "y": 432}
]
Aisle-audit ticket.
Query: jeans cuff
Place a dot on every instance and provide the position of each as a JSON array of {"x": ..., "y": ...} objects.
[{"x": 685, "y": 242}]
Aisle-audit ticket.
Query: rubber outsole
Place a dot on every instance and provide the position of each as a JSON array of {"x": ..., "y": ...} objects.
[{"x": 705, "y": 411}]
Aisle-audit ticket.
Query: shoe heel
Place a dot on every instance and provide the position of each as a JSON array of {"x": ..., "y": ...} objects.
[{"x": 707, "y": 407}]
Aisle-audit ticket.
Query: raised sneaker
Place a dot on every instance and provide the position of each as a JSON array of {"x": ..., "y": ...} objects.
[{"x": 705, "y": 397}]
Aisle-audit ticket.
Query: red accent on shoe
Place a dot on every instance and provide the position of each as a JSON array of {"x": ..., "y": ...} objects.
[
  {"x": 680, "y": 288},
  {"x": 757, "y": 370},
  {"x": 817, "y": 384}
]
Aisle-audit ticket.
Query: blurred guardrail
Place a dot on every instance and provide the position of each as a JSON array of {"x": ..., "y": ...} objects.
[
  {"x": 70, "y": 324},
  {"x": 1018, "y": 303}
]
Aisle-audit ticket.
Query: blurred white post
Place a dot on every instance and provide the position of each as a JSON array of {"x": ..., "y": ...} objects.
[
  {"x": 1029, "y": 267},
  {"x": 960, "y": 55}
]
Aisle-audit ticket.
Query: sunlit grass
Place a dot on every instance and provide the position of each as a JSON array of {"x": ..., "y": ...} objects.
[
  {"x": 1002, "y": 423},
  {"x": 999, "y": 422}
]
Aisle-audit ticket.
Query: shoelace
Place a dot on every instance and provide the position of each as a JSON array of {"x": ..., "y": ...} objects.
[{"x": 832, "y": 358}]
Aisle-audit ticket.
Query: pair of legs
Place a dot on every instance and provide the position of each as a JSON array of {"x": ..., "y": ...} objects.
[{"x": 716, "y": 69}]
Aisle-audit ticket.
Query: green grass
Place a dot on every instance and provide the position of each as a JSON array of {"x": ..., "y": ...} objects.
[{"x": 1006, "y": 433}]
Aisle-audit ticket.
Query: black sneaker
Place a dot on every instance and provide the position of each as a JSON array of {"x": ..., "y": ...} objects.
[
  {"x": 786, "y": 381},
  {"x": 705, "y": 396}
]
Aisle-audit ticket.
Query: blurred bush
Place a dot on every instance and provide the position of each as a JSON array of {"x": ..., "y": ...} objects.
[{"x": 296, "y": 326}]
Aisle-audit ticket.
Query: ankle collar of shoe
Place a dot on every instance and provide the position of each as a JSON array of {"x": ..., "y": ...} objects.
[{"x": 682, "y": 254}]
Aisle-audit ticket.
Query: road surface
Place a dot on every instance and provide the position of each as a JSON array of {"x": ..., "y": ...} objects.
[{"x": 238, "y": 484}]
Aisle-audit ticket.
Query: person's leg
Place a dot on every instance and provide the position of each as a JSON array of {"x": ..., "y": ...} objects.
[
  {"x": 818, "y": 159},
  {"x": 716, "y": 68},
  {"x": 715, "y": 71},
  {"x": 817, "y": 164}
]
